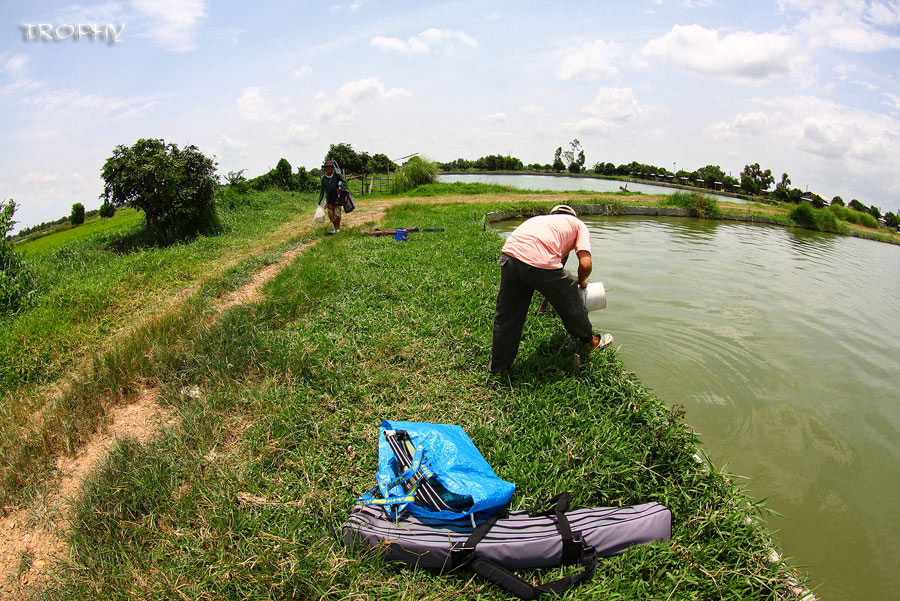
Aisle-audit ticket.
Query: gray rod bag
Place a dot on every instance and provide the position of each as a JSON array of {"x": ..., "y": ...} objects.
[{"x": 518, "y": 540}]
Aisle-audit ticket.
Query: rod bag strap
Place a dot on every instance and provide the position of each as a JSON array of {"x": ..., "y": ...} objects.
[
  {"x": 558, "y": 505},
  {"x": 574, "y": 549},
  {"x": 522, "y": 589}
]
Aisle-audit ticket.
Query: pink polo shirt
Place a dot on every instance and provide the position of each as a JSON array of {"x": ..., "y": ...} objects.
[{"x": 544, "y": 240}]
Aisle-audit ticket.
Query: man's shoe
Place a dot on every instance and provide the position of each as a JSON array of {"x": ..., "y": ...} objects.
[{"x": 599, "y": 342}]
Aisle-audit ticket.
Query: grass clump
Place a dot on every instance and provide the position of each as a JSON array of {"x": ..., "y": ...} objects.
[
  {"x": 822, "y": 220},
  {"x": 241, "y": 499},
  {"x": 698, "y": 204},
  {"x": 459, "y": 189},
  {"x": 417, "y": 171},
  {"x": 855, "y": 217}
]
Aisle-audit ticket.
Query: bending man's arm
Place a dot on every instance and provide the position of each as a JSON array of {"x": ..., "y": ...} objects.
[{"x": 584, "y": 267}]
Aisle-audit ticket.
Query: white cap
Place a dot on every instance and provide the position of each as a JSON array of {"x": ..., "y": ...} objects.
[{"x": 563, "y": 209}]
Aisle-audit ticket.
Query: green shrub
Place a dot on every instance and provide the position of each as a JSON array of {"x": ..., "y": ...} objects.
[
  {"x": 16, "y": 280},
  {"x": 174, "y": 187},
  {"x": 107, "y": 210},
  {"x": 699, "y": 205},
  {"x": 414, "y": 173},
  {"x": 853, "y": 216},
  {"x": 77, "y": 215},
  {"x": 821, "y": 220}
]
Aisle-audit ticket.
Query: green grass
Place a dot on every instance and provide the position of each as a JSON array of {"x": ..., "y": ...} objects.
[
  {"x": 822, "y": 220},
  {"x": 88, "y": 291},
  {"x": 460, "y": 189},
  {"x": 42, "y": 242},
  {"x": 855, "y": 217},
  {"x": 699, "y": 205},
  {"x": 238, "y": 501}
]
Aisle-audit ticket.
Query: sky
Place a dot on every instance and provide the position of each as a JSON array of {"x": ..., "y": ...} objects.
[{"x": 803, "y": 87}]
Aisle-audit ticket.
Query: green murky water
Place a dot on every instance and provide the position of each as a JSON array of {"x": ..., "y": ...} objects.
[{"x": 783, "y": 347}]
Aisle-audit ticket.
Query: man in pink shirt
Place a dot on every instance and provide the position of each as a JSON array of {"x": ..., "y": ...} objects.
[{"x": 533, "y": 259}]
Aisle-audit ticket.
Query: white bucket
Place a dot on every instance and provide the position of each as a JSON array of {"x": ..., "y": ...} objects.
[{"x": 594, "y": 296}]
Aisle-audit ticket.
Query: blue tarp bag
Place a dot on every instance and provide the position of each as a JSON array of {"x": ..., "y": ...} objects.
[{"x": 434, "y": 471}]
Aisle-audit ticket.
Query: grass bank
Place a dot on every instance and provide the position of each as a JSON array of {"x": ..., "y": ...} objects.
[
  {"x": 239, "y": 500},
  {"x": 94, "y": 289}
]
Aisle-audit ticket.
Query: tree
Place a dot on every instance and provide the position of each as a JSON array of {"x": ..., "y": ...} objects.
[
  {"x": 348, "y": 160},
  {"x": 283, "y": 173},
  {"x": 754, "y": 180},
  {"x": 107, "y": 210},
  {"x": 76, "y": 217},
  {"x": 174, "y": 187},
  {"x": 837, "y": 200},
  {"x": 558, "y": 165},
  {"x": 16, "y": 281},
  {"x": 891, "y": 220},
  {"x": 574, "y": 156},
  {"x": 380, "y": 163},
  {"x": 783, "y": 188},
  {"x": 858, "y": 206},
  {"x": 710, "y": 175},
  {"x": 874, "y": 212}
]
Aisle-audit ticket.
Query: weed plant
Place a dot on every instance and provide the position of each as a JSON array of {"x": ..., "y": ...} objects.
[
  {"x": 854, "y": 217},
  {"x": 415, "y": 172},
  {"x": 242, "y": 500},
  {"x": 822, "y": 220},
  {"x": 698, "y": 204}
]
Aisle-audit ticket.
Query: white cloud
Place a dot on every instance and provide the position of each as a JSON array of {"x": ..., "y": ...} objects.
[
  {"x": 172, "y": 23},
  {"x": 253, "y": 107},
  {"x": 75, "y": 108},
  {"x": 495, "y": 118},
  {"x": 615, "y": 105},
  {"x": 14, "y": 64},
  {"x": 744, "y": 125},
  {"x": 591, "y": 125},
  {"x": 824, "y": 138},
  {"x": 448, "y": 41},
  {"x": 33, "y": 177},
  {"x": 343, "y": 105},
  {"x": 851, "y": 25},
  {"x": 301, "y": 72},
  {"x": 886, "y": 13},
  {"x": 743, "y": 56},
  {"x": 593, "y": 61},
  {"x": 894, "y": 101}
]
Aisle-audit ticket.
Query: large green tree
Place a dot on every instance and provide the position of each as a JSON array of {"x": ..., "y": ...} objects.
[
  {"x": 783, "y": 188},
  {"x": 710, "y": 175},
  {"x": 754, "y": 180},
  {"x": 174, "y": 187},
  {"x": 350, "y": 162}
]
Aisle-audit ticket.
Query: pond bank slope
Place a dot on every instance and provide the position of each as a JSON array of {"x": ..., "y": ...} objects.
[{"x": 277, "y": 406}]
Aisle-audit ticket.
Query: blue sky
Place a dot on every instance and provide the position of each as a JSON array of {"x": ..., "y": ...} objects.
[{"x": 805, "y": 87}]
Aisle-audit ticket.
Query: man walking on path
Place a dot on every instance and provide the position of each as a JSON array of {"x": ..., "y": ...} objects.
[
  {"x": 533, "y": 259},
  {"x": 332, "y": 182}
]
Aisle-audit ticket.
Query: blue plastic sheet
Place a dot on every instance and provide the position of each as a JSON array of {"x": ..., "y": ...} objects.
[{"x": 456, "y": 462}]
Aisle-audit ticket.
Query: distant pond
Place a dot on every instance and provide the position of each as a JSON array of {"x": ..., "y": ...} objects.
[
  {"x": 782, "y": 346},
  {"x": 564, "y": 183}
]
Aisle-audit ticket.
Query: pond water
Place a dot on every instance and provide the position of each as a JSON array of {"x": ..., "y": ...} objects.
[
  {"x": 564, "y": 183},
  {"x": 782, "y": 346}
]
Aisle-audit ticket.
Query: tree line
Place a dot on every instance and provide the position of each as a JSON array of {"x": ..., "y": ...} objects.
[{"x": 753, "y": 180}]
